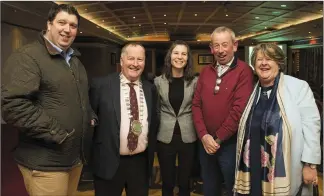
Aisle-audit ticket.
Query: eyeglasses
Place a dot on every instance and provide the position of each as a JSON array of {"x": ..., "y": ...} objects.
[{"x": 218, "y": 82}]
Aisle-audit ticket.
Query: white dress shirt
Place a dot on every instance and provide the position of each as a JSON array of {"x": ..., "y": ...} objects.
[
  {"x": 221, "y": 69},
  {"x": 125, "y": 121}
]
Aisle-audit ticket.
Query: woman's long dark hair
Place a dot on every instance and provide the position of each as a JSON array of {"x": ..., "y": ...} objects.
[{"x": 188, "y": 69}]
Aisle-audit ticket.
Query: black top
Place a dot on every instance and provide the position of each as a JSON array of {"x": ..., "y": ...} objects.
[{"x": 176, "y": 93}]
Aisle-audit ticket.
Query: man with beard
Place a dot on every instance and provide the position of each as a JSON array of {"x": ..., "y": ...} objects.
[
  {"x": 221, "y": 95},
  {"x": 45, "y": 95},
  {"x": 124, "y": 141}
]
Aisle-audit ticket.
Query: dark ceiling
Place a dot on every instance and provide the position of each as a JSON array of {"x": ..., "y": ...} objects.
[{"x": 193, "y": 21}]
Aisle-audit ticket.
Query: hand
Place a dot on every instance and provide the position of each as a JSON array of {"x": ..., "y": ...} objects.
[
  {"x": 209, "y": 144},
  {"x": 309, "y": 175},
  {"x": 92, "y": 122}
]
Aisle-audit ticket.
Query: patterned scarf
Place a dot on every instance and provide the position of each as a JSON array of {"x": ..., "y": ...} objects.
[{"x": 274, "y": 149}]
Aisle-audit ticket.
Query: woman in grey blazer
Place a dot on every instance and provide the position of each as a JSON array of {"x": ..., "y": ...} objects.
[{"x": 176, "y": 135}]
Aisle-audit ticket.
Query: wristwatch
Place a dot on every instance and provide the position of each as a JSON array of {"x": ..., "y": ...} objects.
[{"x": 312, "y": 166}]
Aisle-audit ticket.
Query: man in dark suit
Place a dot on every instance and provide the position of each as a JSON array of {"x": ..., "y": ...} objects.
[{"x": 125, "y": 138}]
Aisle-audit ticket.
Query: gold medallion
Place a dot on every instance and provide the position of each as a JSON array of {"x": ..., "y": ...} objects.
[{"x": 136, "y": 127}]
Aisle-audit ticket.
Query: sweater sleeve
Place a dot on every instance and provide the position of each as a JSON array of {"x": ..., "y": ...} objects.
[
  {"x": 242, "y": 93},
  {"x": 197, "y": 110}
]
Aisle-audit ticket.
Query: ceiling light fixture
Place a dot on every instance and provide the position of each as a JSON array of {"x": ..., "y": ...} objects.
[
  {"x": 198, "y": 40},
  {"x": 81, "y": 32},
  {"x": 139, "y": 25},
  {"x": 165, "y": 23},
  {"x": 196, "y": 14},
  {"x": 134, "y": 17},
  {"x": 309, "y": 32},
  {"x": 257, "y": 17},
  {"x": 265, "y": 27},
  {"x": 103, "y": 20},
  {"x": 283, "y": 5},
  {"x": 164, "y": 14},
  {"x": 85, "y": 9},
  {"x": 226, "y": 14}
]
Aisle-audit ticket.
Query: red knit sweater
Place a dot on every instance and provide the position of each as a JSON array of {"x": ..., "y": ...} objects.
[{"x": 219, "y": 114}]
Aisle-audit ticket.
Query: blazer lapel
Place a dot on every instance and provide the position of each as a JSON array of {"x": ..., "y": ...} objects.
[
  {"x": 148, "y": 99},
  {"x": 165, "y": 93},
  {"x": 116, "y": 97}
]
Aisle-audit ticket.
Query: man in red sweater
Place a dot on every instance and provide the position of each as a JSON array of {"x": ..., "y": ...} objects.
[{"x": 221, "y": 95}]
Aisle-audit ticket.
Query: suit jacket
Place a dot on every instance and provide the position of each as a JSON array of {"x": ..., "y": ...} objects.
[
  {"x": 105, "y": 101},
  {"x": 167, "y": 115}
]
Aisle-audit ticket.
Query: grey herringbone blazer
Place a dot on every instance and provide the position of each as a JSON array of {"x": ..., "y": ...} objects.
[{"x": 167, "y": 115}]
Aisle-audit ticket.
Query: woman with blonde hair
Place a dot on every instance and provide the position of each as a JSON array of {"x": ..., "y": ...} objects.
[{"x": 278, "y": 145}]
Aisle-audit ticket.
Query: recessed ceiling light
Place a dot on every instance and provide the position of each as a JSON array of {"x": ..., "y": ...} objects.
[
  {"x": 164, "y": 14},
  {"x": 283, "y": 5},
  {"x": 226, "y": 14},
  {"x": 309, "y": 32},
  {"x": 103, "y": 20},
  {"x": 257, "y": 17},
  {"x": 165, "y": 23},
  {"x": 196, "y": 14},
  {"x": 265, "y": 27},
  {"x": 85, "y": 9},
  {"x": 134, "y": 17},
  {"x": 80, "y": 31},
  {"x": 139, "y": 25}
]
